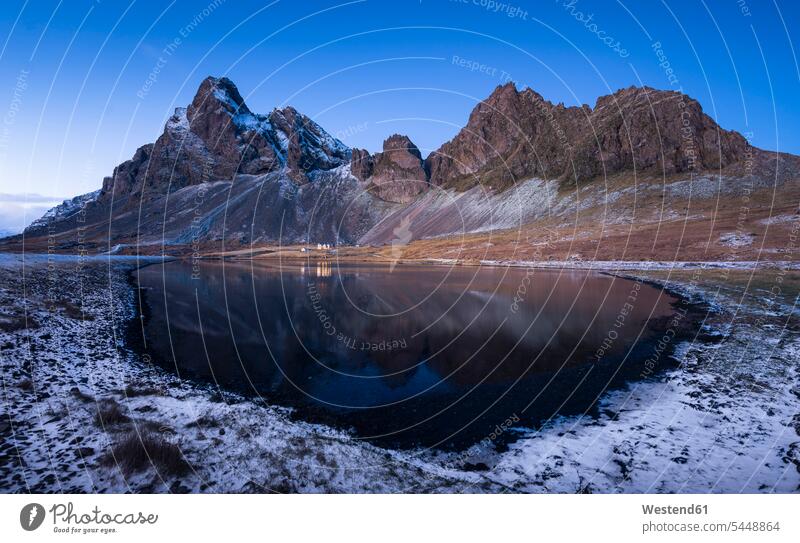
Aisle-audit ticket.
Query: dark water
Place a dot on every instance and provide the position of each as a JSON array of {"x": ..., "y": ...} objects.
[{"x": 417, "y": 356}]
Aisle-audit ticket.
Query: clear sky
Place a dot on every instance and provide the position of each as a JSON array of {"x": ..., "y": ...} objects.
[{"x": 85, "y": 82}]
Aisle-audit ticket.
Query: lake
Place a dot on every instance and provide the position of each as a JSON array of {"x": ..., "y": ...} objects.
[{"x": 414, "y": 356}]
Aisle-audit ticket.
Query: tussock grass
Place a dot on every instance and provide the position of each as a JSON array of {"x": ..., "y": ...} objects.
[
  {"x": 132, "y": 391},
  {"x": 81, "y": 395},
  {"x": 110, "y": 413},
  {"x": 138, "y": 450}
]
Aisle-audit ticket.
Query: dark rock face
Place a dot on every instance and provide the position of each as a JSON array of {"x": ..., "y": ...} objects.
[
  {"x": 127, "y": 174},
  {"x": 514, "y": 135},
  {"x": 395, "y": 175},
  {"x": 307, "y": 147},
  {"x": 217, "y": 137},
  {"x": 361, "y": 164}
]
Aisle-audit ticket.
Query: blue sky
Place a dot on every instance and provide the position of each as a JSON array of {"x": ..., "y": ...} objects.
[{"x": 76, "y": 101}]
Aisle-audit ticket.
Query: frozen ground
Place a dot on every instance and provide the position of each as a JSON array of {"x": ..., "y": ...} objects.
[
  {"x": 63, "y": 362},
  {"x": 75, "y": 403},
  {"x": 649, "y": 265}
]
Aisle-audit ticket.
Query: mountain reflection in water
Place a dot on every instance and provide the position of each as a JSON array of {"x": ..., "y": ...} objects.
[{"x": 419, "y": 356}]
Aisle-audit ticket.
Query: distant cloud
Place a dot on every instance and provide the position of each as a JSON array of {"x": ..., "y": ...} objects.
[
  {"x": 18, "y": 210},
  {"x": 29, "y": 198}
]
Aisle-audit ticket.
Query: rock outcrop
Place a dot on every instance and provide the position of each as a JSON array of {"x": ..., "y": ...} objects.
[
  {"x": 644, "y": 129},
  {"x": 514, "y": 135},
  {"x": 395, "y": 175},
  {"x": 361, "y": 164}
]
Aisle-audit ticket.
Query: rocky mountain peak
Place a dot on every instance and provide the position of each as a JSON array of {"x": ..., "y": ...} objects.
[
  {"x": 214, "y": 93},
  {"x": 515, "y": 135},
  {"x": 401, "y": 149},
  {"x": 306, "y": 145},
  {"x": 217, "y": 137},
  {"x": 510, "y": 135},
  {"x": 502, "y": 94},
  {"x": 660, "y": 131}
]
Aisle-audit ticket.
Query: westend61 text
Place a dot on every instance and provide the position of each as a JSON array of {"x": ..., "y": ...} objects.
[{"x": 694, "y": 509}]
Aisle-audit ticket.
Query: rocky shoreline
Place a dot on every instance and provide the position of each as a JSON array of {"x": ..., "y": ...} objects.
[
  {"x": 76, "y": 401},
  {"x": 78, "y": 404}
]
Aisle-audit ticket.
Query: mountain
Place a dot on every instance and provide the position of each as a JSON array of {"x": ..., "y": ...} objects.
[
  {"x": 514, "y": 135},
  {"x": 65, "y": 210},
  {"x": 219, "y": 171},
  {"x": 220, "y": 174},
  {"x": 7, "y": 232},
  {"x": 217, "y": 137}
]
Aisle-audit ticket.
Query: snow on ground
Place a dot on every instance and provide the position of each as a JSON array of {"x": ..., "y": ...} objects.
[
  {"x": 736, "y": 239},
  {"x": 641, "y": 265},
  {"x": 727, "y": 420},
  {"x": 63, "y": 362},
  {"x": 698, "y": 430}
]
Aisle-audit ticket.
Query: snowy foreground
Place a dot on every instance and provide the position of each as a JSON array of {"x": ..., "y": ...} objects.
[{"x": 76, "y": 402}]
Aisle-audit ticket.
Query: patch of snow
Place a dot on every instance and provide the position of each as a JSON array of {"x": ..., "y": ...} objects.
[
  {"x": 253, "y": 122},
  {"x": 329, "y": 141},
  {"x": 612, "y": 265},
  {"x": 178, "y": 121},
  {"x": 283, "y": 140},
  {"x": 226, "y": 99},
  {"x": 780, "y": 219},
  {"x": 736, "y": 239},
  {"x": 65, "y": 209}
]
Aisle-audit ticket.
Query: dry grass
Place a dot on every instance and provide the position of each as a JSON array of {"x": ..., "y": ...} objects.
[
  {"x": 73, "y": 311},
  {"x": 635, "y": 225},
  {"x": 110, "y": 413},
  {"x": 81, "y": 395},
  {"x": 137, "y": 450},
  {"x": 132, "y": 391},
  {"x": 14, "y": 323}
]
